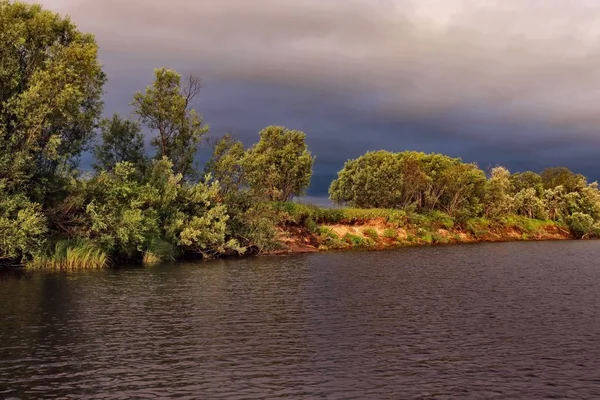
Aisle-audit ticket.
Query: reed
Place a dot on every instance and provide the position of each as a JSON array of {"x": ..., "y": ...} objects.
[{"x": 68, "y": 255}]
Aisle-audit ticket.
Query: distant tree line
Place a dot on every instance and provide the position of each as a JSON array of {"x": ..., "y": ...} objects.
[{"x": 434, "y": 182}]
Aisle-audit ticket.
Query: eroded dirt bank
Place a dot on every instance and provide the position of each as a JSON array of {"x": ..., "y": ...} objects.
[{"x": 377, "y": 234}]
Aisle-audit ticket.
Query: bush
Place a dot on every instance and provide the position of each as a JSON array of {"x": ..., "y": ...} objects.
[
  {"x": 22, "y": 228},
  {"x": 441, "y": 219},
  {"x": 390, "y": 233},
  {"x": 371, "y": 233},
  {"x": 355, "y": 240},
  {"x": 580, "y": 224}
]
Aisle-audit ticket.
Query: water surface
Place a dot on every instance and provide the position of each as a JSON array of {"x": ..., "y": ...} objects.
[{"x": 511, "y": 320}]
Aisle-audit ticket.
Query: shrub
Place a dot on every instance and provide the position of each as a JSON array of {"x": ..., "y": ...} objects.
[
  {"x": 22, "y": 228},
  {"x": 355, "y": 240},
  {"x": 390, "y": 233},
  {"x": 580, "y": 224},
  {"x": 371, "y": 233}
]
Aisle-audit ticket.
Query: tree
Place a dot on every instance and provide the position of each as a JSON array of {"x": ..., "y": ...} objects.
[
  {"x": 526, "y": 180},
  {"x": 498, "y": 200},
  {"x": 371, "y": 180},
  {"x": 165, "y": 108},
  {"x": 562, "y": 176},
  {"x": 226, "y": 165},
  {"x": 527, "y": 203},
  {"x": 50, "y": 89},
  {"x": 279, "y": 166},
  {"x": 122, "y": 141}
]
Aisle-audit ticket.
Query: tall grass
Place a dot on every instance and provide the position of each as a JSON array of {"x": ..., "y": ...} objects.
[{"x": 69, "y": 255}]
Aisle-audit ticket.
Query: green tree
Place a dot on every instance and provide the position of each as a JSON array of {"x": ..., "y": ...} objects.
[
  {"x": 50, "y": 95},
  {"x": 165, "y": 108},
  {"x": 121, "y": 141},
  {"x": 371, "y": 180},
  {"x": 279, "y": 166},
  {"x": 498, "y": 200},
  {"x": 526, "y": 180},
  {"x": 527, "y": 203},
  {"x": 562, "y": 176},
  {"x": 226, "y": 165}
]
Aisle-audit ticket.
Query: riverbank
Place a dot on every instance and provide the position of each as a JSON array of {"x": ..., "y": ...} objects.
[{"x": 307, "y": 229}]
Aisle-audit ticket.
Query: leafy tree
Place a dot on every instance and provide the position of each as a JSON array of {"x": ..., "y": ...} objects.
[
  {"x": 562, "y": 176},
  {"x": 226, "y": 166},
  {"x": 372, "y": 180},
  {"x": 165, "y": 108},
  {"x": 498, "y": 200},
  {"x": 50, "y": 89},
  {"x": 122, "y": 141},
  {"x": 526, "y": 180},
  {"x": 279, "y": 166},
  {"x": 410, "y": 179},
  {"x": 527, "y": 203}
]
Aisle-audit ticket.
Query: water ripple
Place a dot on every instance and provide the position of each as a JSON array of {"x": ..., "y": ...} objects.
[{"x": 494, "y": 321}]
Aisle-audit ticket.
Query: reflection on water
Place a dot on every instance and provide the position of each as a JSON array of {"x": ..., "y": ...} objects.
[{"x": 514, "y": 320}]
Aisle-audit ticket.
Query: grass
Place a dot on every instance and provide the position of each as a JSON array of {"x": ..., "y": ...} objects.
[
  {"x": 297, "y": 214},
  {"x": 68, "y": 255},
  {"x": 390, "y": 233},
  {"x": 355, "y": 240},
  {"x": 371, "y": 233}
]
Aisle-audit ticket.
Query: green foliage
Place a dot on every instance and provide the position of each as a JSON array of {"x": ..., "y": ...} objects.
[
  {"x": 371, "y": 233},
  {"x": 355, "y": 240},
  {"x": 524, "y": 224},
  {"x": 580, "y": 224},
  {"x": 441, "y": 219},
  {"x": 226, "y": 166},
  {"x": 527, "y": 203},
  {"x": 121, "y": 141},
  {"x": 479, "y": 227},
  {"x": 22, "y": 227},
  {"x": 527, "y": 180},
  {"x": 50, "y": 88},
  {"x": 361, "y": 181},
  {"x": 562, "y": 176},
  {"x": 165, "y": 108},
  {"x": 71, "y": 256},
  {"x": 410, "y": 179},
  {"x": 498, "y": 200},
  {"x": 279, "y": 166},
  {"x": 390, "y": 233}
]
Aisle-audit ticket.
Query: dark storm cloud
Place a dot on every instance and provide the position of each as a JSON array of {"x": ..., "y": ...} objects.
[{"x": 498, "y": 82}]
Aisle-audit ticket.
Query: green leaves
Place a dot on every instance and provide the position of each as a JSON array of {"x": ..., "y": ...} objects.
[
  {"x": 122, "y": 141},
  {"x": 165, "y": 108},
  {"x": 279, "y": 166},
  {"x": 426, "y": 182},
  {"x": 22, "y": 227},
  {"x": 50, "y": 88}
]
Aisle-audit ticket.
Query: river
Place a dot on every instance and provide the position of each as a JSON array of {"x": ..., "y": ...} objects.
[{"x": 503, "y": 320}]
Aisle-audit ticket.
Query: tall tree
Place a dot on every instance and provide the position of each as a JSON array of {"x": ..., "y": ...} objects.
[
  {"x": 122, "y": 140},
  {"x": 50, "y": 89},
  {"x": 279, "y": 166},
  {"x": 166, "y": 108}
]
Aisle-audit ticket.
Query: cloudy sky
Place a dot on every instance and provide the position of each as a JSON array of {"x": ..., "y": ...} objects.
[{"x": 511, "y": 82}]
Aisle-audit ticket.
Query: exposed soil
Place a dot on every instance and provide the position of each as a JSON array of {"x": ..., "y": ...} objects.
[{"x": 297, "y": 239}]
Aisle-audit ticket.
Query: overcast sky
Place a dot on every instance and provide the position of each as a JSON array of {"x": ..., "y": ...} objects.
[{"x": 510, "y": 82}]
